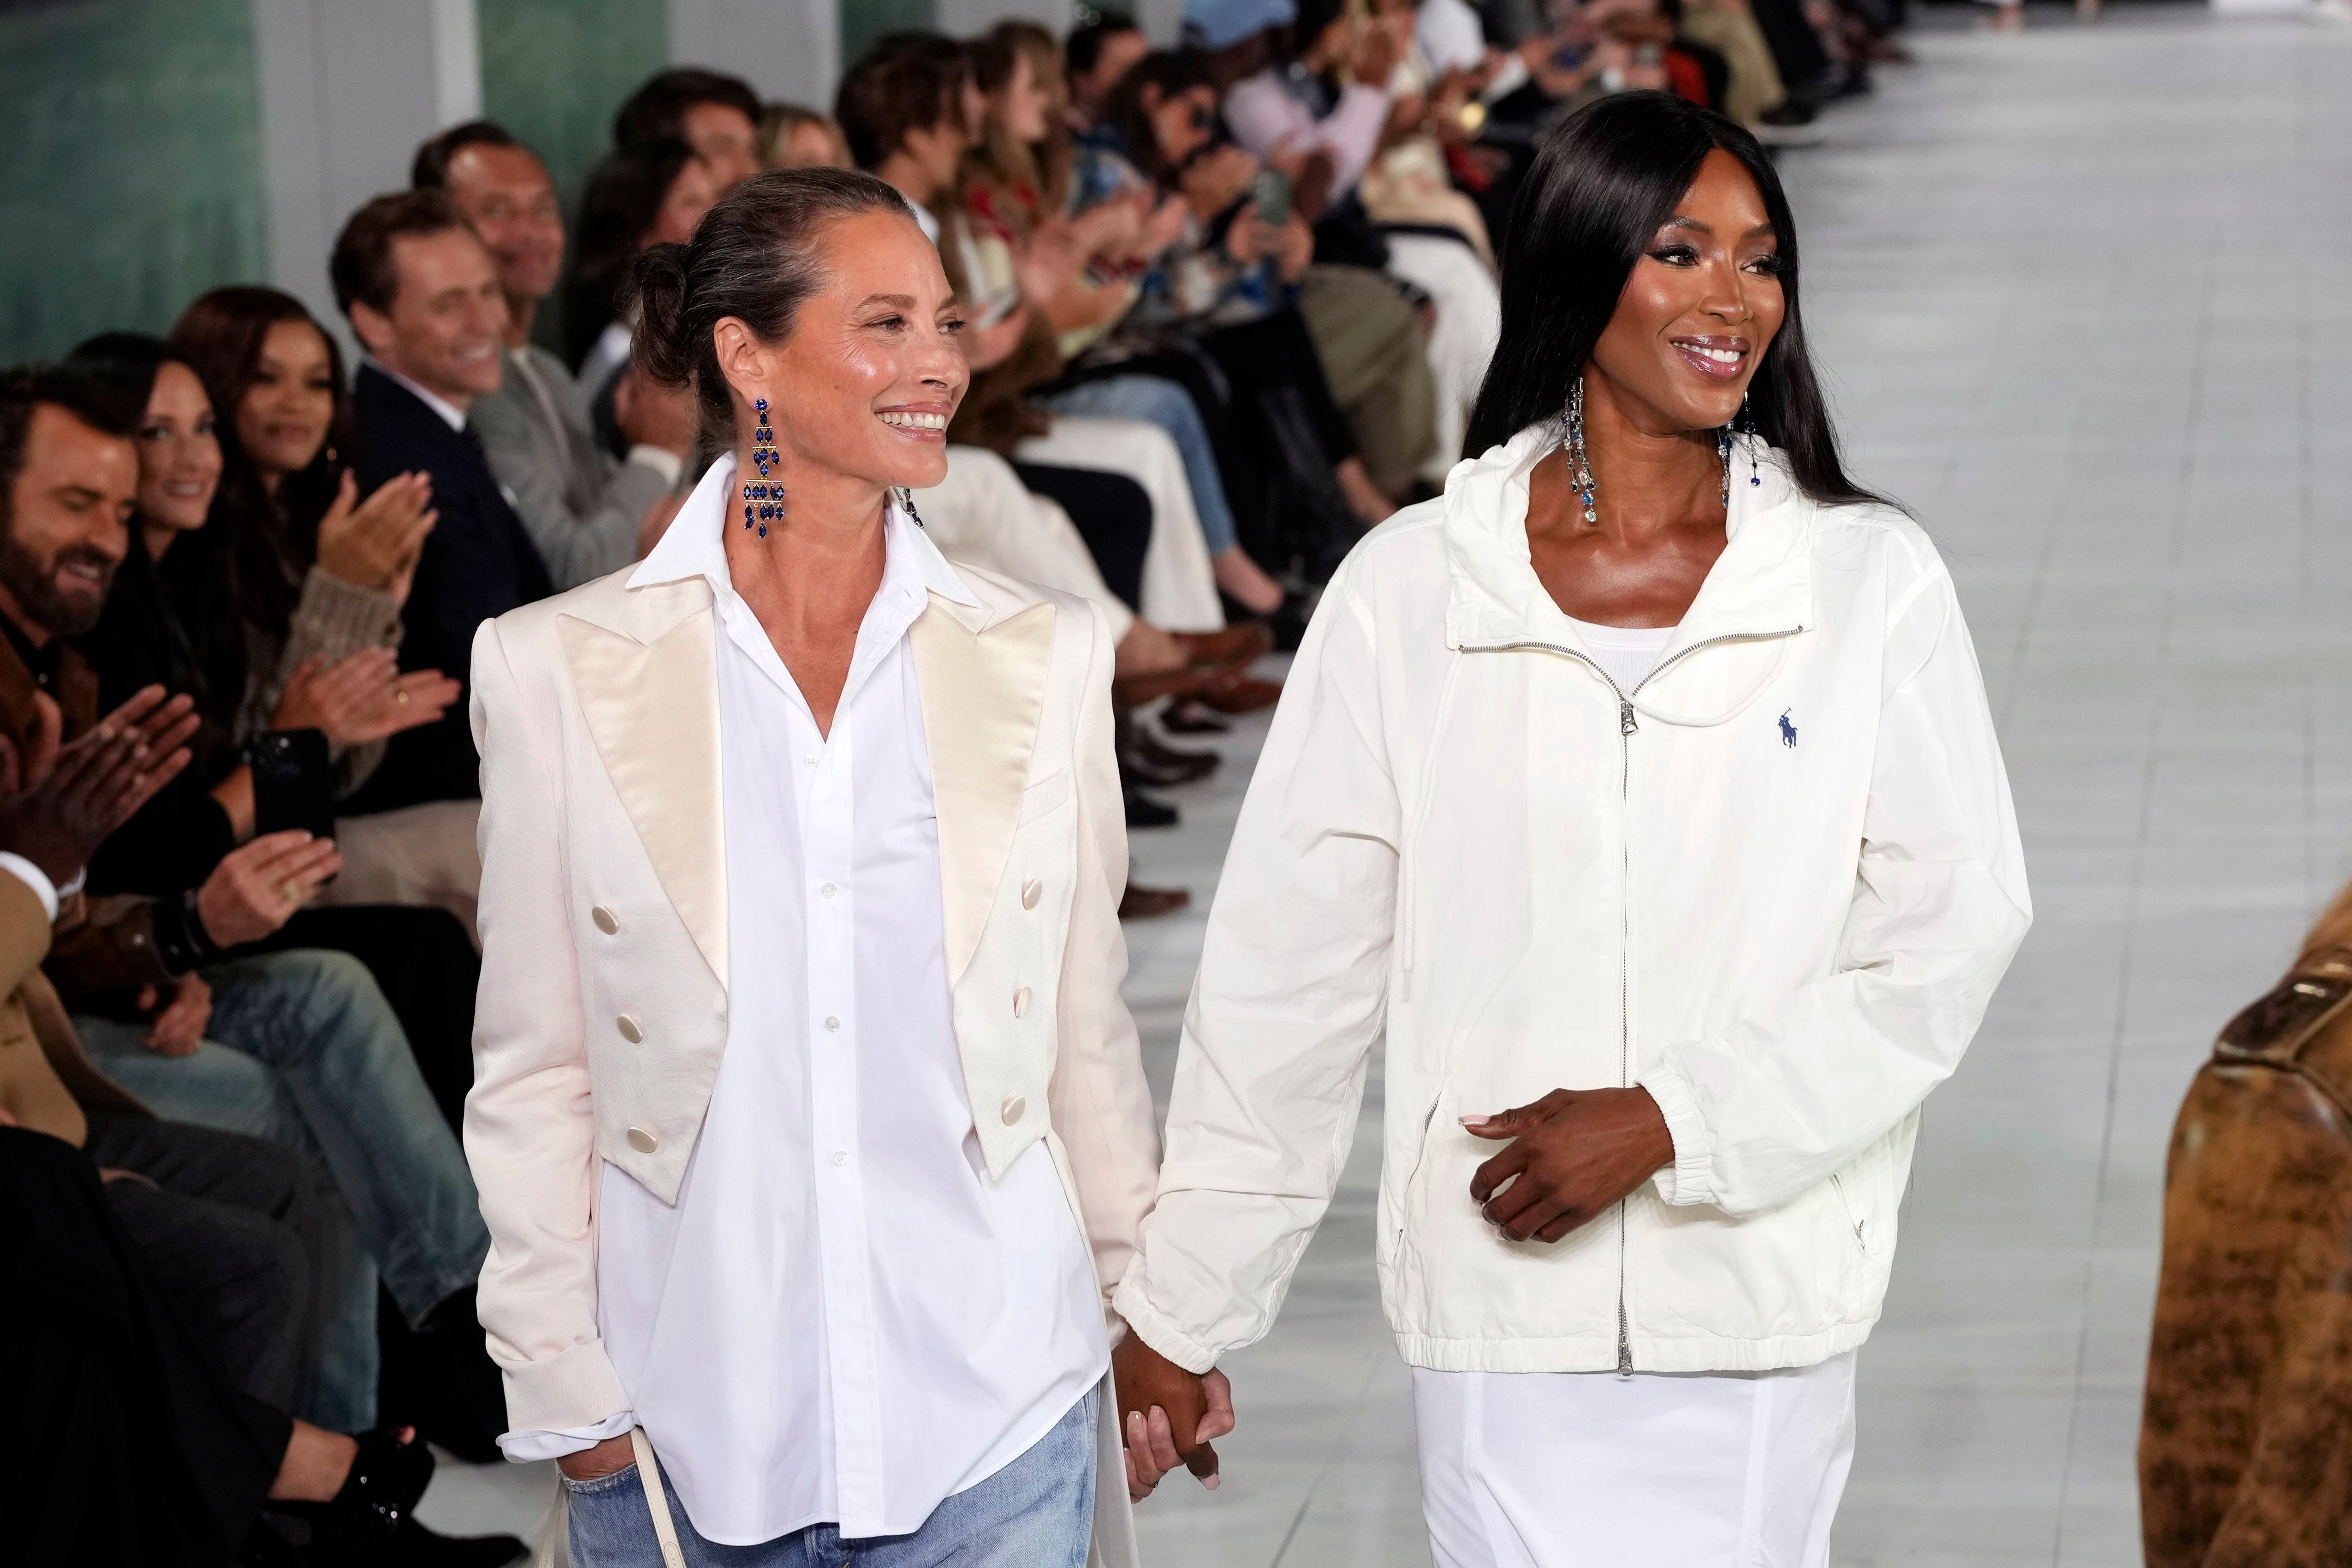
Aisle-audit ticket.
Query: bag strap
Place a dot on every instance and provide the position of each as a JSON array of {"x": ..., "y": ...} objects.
[
  {"x": 656, "y": 1500},
  {"x": 2276, "y": 1031}
]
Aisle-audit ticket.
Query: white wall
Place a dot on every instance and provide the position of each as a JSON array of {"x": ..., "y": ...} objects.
[
  {"x": 787, "y": 50},
  {"x": 349, "y": 88},
  {"x": 965, "y": 17}
]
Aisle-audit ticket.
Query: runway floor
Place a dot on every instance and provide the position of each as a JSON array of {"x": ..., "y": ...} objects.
[{"x": 2085, "y": 301}]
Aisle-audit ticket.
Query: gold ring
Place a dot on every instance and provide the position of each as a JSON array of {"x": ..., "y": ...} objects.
[
  {"x": 400, "y": 697},
  {"x": 290, "y": 891}
]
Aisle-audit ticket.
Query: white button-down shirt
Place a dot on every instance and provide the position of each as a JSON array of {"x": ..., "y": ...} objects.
[{"x": 843, "y": 1319}]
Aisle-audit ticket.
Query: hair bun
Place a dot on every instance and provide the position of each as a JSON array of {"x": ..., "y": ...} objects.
[{"x": 657, "y": 288}]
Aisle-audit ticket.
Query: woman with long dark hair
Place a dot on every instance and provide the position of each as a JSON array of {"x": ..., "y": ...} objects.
[{"x": 1641, "y": 795}]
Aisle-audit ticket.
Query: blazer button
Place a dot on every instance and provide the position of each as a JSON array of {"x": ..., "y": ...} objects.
[
  {"x": 606, "y": 921},
  {"x": 1021, "y": 1003},
  {"x": 1030, "y": 890},
  {"x": 629, "y": 1029},
  {"x": 643, "y": 1141},
  {"x": 1014, "y": 1108}
]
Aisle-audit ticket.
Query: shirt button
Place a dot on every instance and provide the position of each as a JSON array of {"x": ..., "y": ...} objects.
[
  {"x": 606, "y": 921},
  {"x": 841, "y": 1156},
  {"x": 831, "y": 1023},
  {"x": 1030, "y": 891},
  {"x": 1021, "y": 1003},
  {"x": 643, "y": 1141},
  {"x": 1015, "y": 1107},
  {"x": 826, "y": 889},
  {"x": 629, "y": 1029}
]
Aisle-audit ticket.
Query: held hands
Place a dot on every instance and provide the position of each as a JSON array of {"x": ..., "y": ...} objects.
[
  {"x": 374, "y": 543},
  {"x": 1156, "y": 1401},
  {"x": 1573, "y": 1154}
]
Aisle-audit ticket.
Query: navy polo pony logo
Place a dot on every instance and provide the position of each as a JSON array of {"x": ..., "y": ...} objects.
[{"x": 1788, "y": 730}]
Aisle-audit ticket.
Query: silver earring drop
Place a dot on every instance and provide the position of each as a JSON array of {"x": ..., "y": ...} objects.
[
  {"x": 1579, "y": 465},
  {"x": 1747, "y": 411}
]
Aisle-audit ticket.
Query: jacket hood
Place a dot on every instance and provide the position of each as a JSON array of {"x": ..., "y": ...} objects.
[{"x": 1759, "y": 588}]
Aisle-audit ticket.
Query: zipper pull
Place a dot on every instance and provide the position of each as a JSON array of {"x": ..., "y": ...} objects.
[
  {"x": 1626, "y": 725},
  {"x": 1624, "y": 1344}
]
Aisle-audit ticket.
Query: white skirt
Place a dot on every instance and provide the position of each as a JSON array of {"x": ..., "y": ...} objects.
[{"x": 1657, "y": 1470}]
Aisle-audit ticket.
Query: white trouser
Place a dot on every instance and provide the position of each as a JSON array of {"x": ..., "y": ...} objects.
[
  {"x": 1179, "y": 590},
  {"x": 1534, "y": 1469},
  {"x": 1469, "y": 321},
  {"x": 982, "y": 514}
]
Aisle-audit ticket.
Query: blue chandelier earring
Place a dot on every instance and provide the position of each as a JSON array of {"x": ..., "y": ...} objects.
[{"x": 763, "y": 501}]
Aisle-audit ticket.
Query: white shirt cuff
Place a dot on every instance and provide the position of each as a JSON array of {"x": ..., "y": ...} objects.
[
  {"x": 528, "y": 1448},
  {"x": 661, "y": 460},
  {"x": 1689, "y": 1180},
  {"x": 33, "y": 877}
]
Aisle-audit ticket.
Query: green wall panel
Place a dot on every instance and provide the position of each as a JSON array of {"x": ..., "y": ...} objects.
[
  {"x": 130, "y": 156},
  {"x": 862, "y": 21},
  {"x": 554, "y": 71}
]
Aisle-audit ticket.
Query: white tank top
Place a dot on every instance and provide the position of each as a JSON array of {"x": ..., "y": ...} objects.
[{"x": 1626, "y": 653}]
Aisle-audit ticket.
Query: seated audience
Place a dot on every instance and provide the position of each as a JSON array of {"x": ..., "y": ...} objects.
[
  {"x": 1099, "y": 51},
  {"x": 792, "y": 137},
  {"x": 137, "y": 1364},
  {"x": 652, "y": 194},
  {"x": 316, "y": 575},
  {"x": 1014, "y": 191},
  {"x": 298, "y": 1046},
  {"x": 588, "y": 514},
  {"x": 715, "y": 115},
  {"x": 422, "y": 295}
]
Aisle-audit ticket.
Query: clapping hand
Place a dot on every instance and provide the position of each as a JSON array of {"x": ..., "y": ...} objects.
[
  {"x": 362, "y": 698},
  {"x": 260, "y": 884},
  {"x": 1167, "y": 1416},
  {"x": 374, "y": 543},
  {"x": 61, "y": 802}
]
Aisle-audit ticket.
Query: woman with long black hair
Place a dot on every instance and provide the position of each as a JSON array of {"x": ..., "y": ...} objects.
[{"x": 1643, "y": 794}]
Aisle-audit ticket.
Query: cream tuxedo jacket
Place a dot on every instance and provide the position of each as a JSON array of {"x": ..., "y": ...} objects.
[{"x": 604, "y": 921}]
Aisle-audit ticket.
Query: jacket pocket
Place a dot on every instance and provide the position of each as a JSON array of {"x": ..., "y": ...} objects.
[
  {"x": 1858, "y": 1217},
  {"x": 1045, "y": 795}
]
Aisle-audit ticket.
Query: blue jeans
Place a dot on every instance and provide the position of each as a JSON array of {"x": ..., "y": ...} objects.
[
  {"x": 304, "y": 1050},
  {"x": 1170, "y": 406},
  {"x": 1036, "y": 1512}
]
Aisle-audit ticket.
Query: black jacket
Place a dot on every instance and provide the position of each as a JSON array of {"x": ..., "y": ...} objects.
[{"x": 477, "y": 563}]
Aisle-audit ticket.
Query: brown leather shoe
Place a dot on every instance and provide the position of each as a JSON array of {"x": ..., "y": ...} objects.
[
  {"x": 1145, "y": 903},
  {"x": 1242, "y": 695},
  {"x": 1135, "y": 691},
  {"x": 1235, "y": 648}
]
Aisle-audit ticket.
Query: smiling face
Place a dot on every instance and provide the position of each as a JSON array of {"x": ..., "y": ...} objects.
[
  {"x": 506, "y": 194},
  {"x": 68, "y": 524},
  {"x": 865, "y": 383},
  {"x": 448, "y": 323},
  {"x": 283, "y": 418},
  {"x": 1702, "y": 305},
  {"x": 179, "y": 454}
]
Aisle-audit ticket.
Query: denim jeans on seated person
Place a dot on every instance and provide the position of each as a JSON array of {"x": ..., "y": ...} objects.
[
  {"x": 1166, "y": 405},
  {"x": 304, "y": 1050},
  {"x": 1036, "y": 1512}
]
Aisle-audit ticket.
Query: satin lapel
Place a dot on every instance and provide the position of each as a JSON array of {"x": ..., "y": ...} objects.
[
  {"x": 653, "y": 709},
  {"x": 983, "y": 693}
]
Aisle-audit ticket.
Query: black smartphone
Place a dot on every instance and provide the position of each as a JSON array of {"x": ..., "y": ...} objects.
[{"x": 293, "y": 783}]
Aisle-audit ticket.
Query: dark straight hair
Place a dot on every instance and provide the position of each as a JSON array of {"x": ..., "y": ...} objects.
[{"x": 1604, "y": 180}]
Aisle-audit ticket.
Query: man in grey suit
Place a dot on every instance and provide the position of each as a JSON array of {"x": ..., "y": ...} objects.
[{"x": 588, "y": 514}]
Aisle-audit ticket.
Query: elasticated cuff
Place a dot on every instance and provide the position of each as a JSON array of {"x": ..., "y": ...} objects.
[
  {"x": 1689, "y": 1179},
  {"x": 1158, "y": 1331}
]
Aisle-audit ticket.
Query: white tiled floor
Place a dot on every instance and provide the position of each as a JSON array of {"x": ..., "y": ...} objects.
[{"x": 2085, "y": 301}]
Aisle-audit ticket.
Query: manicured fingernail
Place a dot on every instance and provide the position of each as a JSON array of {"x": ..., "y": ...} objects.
[{"x": 1477, "y": 1121}]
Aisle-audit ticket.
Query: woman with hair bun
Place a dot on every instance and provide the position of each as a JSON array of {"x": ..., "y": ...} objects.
[
  {"x": 1641, "y": 795},
  {"x": 809, "y": 1126}
]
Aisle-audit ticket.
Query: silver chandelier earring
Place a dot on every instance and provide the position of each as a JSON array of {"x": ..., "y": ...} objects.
[{"x": 1579, "y": 464}]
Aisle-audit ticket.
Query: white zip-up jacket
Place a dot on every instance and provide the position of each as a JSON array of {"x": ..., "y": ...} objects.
[{"x": 1775, "y": 885}]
